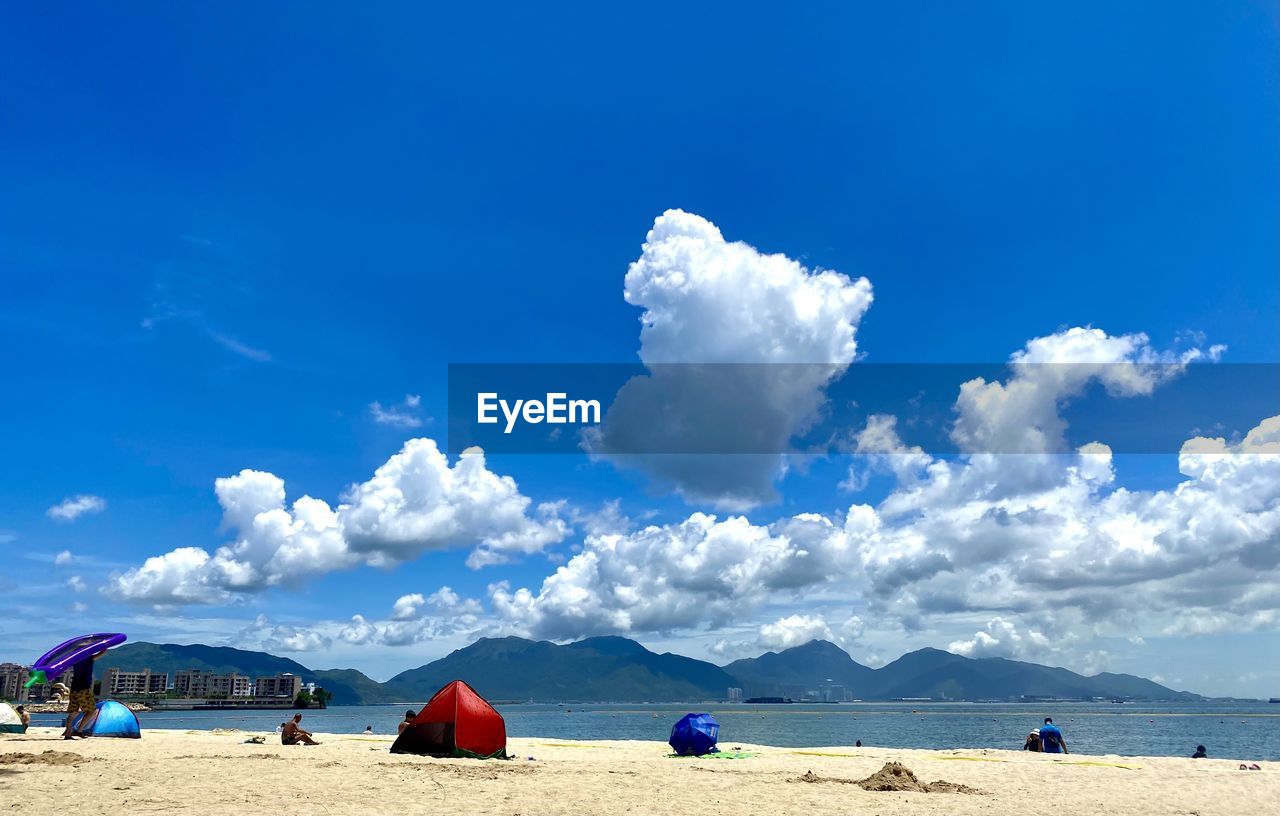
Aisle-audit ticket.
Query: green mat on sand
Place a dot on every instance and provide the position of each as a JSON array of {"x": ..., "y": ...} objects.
[{"x": 717, "y": 755}]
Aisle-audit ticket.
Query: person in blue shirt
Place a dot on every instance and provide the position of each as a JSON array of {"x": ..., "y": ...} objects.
[{"x": 1051, "y": 741}]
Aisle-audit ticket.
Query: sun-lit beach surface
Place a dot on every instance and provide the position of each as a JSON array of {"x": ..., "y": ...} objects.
[{"x": 201, "y": 772}]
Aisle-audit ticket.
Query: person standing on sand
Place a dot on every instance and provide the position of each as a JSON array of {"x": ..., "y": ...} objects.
[
  {"x": 1051, "y": 741},
  {"x": 24, "y": 716},
  {"x": 82, "y": 701},
  {"x": 295, "y": 734}
]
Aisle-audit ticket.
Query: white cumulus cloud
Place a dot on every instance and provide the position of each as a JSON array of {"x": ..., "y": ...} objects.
[
  {"x": 669, "y": 577},
  {"x": 414, "y": 503},
  {"x": 767, "y": 335},
  {"x": 1000, "y": 638},
  {"x": 406, "y": 606},
  {"x": 1042, "y": 536},
  {"x": 277, "y": 638},
  {"x": 794, "y": 630}
]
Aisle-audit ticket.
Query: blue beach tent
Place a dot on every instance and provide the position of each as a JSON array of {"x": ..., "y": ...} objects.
[
  {"x": 114, "y": 720},
  {"x": 695, "y": 735}
]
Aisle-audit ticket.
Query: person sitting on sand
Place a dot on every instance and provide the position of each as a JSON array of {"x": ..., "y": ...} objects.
[
  {"x": 1051, "y": 741},
  {"x": 1033, "y": 741},
  {"x": 1200, "y": 753},
  {"x": 408, "y": 718},
  {"x": 295, "y": 734},
  {"x": 280, "y": 728},
  {"x": 82, "y": 701},
  {"x": 368, "y": 730}
]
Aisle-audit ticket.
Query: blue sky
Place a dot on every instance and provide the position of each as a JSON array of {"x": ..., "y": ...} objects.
[{"x": 226, "y": 232}]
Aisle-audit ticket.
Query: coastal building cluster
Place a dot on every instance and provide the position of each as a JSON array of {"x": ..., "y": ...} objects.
[
  {"x": 13, "y": 683},
  {"x": 119, "y": 683},
  {"x": 188, "y": 684}
]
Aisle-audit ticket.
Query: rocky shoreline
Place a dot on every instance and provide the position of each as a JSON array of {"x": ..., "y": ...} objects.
[{"x": 58, "y": 708}]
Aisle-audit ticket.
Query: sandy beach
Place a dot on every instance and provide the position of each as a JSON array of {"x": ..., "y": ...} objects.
[{"x": 197, "y": 772}]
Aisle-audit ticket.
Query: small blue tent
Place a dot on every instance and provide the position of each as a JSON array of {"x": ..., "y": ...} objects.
[
  {"x": 114, "y": 720},
  {"x": 695, "y": 735}
]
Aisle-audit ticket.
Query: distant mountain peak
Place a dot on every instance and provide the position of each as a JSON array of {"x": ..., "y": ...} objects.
[
  {"x": 610, "y": 644},
  {"x": 816, "y": 645},
  {"x": 613, "y": 668}
]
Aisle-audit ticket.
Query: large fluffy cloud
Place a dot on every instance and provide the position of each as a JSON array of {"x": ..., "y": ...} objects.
[
  {"x": 417, "y": 502},
  {"x": 670, "y": 577},
  {"x": 1001, "y": 638},
  {"x": 708, "y": 300},
  {"x": 1039, "y": 536},
  {"x": 766, "y": 335},
  {"x": 960, "y": 538},
  {"x": 414, "y": 503}
]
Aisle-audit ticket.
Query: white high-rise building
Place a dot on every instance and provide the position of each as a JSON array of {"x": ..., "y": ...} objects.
[
  {"x": 195, "y": 683},
  {"x": 279, "y": 685},
  {"x": 118, "y": 683}
]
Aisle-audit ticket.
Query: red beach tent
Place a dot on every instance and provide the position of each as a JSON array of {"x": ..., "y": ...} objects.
[{"x": 456, "y": 722}]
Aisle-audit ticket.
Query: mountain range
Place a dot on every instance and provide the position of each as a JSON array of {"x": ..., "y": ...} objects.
[{"x": 616, "y": 669}]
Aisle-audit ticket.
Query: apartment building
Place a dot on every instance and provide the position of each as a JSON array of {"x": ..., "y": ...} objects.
[
  {"x": 196, "y": 683},
  {"x": 279, "y": 685},
  {"x": 119, "y": 683},
  {"x": 12, "y": 679}
]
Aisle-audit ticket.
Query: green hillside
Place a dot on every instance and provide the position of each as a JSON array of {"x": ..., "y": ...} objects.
[
  {"x": 596, "y": 669},
  {"x": 620, "y": 670},
  {"x": 935, "y": 674},
  {"x": 348, "y": 686}
]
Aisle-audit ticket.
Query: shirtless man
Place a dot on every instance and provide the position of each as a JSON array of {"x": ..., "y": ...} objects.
[{"x": 295, "y": 734}]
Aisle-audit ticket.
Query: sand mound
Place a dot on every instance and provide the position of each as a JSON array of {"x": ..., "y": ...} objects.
[
  {"x": 951, "y": 787},
  {"x": 810, "y": 776},
  {"x": 47, "y": 758},
  {"x": 894, "y": 776}
]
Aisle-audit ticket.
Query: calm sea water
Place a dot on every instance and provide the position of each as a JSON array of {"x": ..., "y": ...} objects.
[{"x": 1238, "y": 731}]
